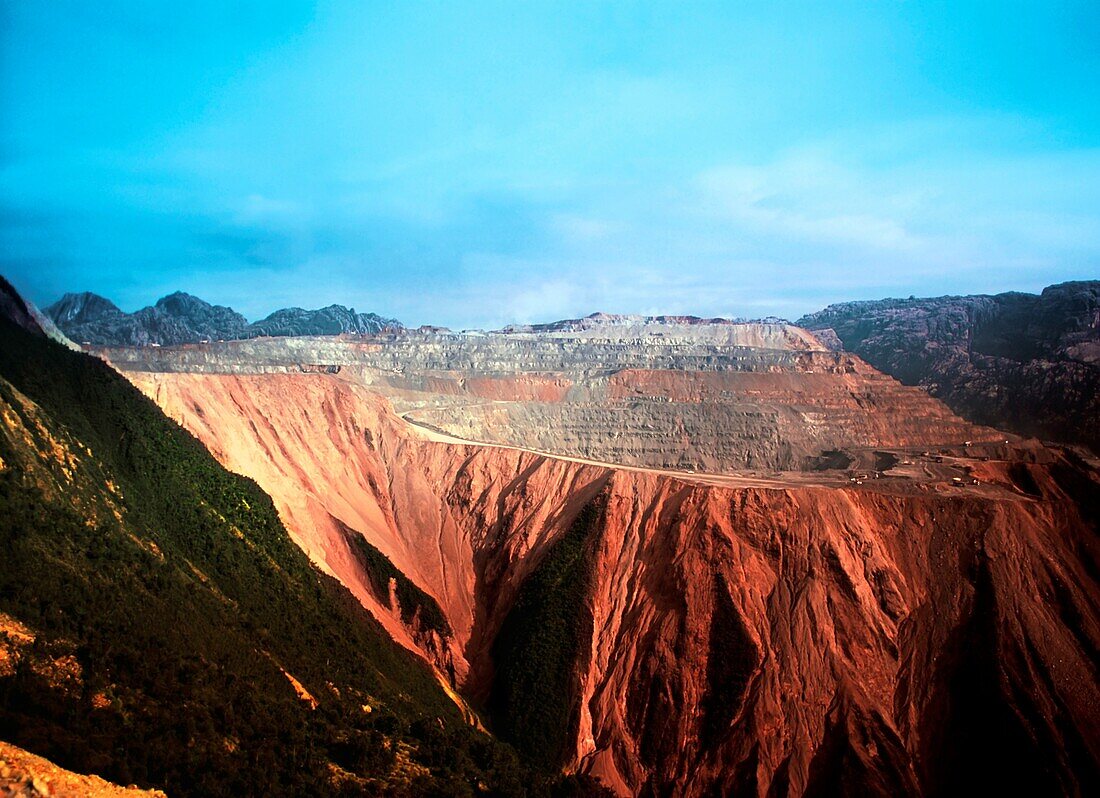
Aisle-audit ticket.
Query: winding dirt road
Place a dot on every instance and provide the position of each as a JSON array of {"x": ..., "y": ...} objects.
[{"x": 907, "y": 483}]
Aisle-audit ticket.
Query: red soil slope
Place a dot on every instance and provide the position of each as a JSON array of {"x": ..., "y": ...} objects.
[{"x": 763, "y": 639}]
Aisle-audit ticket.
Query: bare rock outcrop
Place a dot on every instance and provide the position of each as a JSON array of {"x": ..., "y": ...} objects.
[
  {"x": 181, "y": 318},
  {"x": 705, "y": 396},
  {"x": 1026, "y": 363},
  {"x": 24, "y": 775}
]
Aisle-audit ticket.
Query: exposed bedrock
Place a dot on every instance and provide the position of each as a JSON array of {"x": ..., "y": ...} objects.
[
  {"x": 703, "y": 397},
  {"x": 703, "y": 639},
  {"x": 1023, "y": 362},
  {"x": 708, "y": 421}
]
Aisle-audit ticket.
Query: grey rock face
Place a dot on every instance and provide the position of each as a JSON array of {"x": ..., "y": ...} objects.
[
  {"x": 184, "y": 319},
  {"x": 82, "y": 308},
  {"x": 1024, "y": 362},
  {"x": 200, "y": 317},
  {"x": 333, "y": 320},
  {"x": 686, "y": 396}
]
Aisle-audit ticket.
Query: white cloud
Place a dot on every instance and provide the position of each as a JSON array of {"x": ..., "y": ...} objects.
[
  {"x": 258, "y": 209},
  {"x": 579, "y": 228},
  {"x": 810, "y": 199},
  {"x": 551, "y": 299}
]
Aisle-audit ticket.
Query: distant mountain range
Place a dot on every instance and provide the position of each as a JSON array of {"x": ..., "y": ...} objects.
[
  {"x": 181, "y": 318},
  {"x": 1025, "y": 362}
]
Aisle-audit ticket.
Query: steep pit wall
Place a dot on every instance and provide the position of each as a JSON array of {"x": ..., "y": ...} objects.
[
  {"x": 704, "y": 420},
  {"x": 783, "y": 640},
  {"x": 743, "y": 347},
  {"x": 708, "y": 397}
]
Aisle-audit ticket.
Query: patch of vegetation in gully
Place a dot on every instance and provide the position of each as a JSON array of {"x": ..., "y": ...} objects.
[{"x": 535, "y": 696}]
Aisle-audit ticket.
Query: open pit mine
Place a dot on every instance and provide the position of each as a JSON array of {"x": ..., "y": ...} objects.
[{"x": 684, "y": 557}]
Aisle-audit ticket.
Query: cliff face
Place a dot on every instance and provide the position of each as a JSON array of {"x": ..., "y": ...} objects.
[
  {"x": 806, "y": 641},
  {"x": 1023, "y": 362},
  {"x": 691, "y": 634},
  {"x": 710, "y": 397}
]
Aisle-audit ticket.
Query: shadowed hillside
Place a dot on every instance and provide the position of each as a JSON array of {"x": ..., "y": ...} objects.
[
  {"x": 161, "y": 628},
  {"x": 1026, "y": 363}
]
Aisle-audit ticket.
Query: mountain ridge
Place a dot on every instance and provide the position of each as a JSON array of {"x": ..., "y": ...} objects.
[
  {"x": 182, "y": 318},
  {"x": 1029, "y": 363}
]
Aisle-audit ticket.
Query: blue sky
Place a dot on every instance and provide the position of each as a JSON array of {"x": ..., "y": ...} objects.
[{"x": 481, "y": 163}]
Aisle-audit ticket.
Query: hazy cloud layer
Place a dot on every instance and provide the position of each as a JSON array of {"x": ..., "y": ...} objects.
[{"x": 528, "y": 163}]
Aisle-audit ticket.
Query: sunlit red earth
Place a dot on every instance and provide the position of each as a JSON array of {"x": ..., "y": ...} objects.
[{"x": 804, "y": 568}]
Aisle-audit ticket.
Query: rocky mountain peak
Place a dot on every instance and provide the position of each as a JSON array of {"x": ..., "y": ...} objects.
[
  {"x": 81, "y": 308},
  {"x": 182, "y": 318},
  {"x": 208, "y": 321},
  {"x": 330, "y": 320},
  {"x": 181, "y": 303}
]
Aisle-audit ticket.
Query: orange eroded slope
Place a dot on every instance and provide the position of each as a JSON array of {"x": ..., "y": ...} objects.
[{"x": 745, "y": 637}]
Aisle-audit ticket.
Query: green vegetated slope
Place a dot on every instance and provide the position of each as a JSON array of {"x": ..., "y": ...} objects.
[
  {"x": 416, "y": 605},
  {"x": 535, "y": 698},
  {"x": 152, "y": 606}
]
